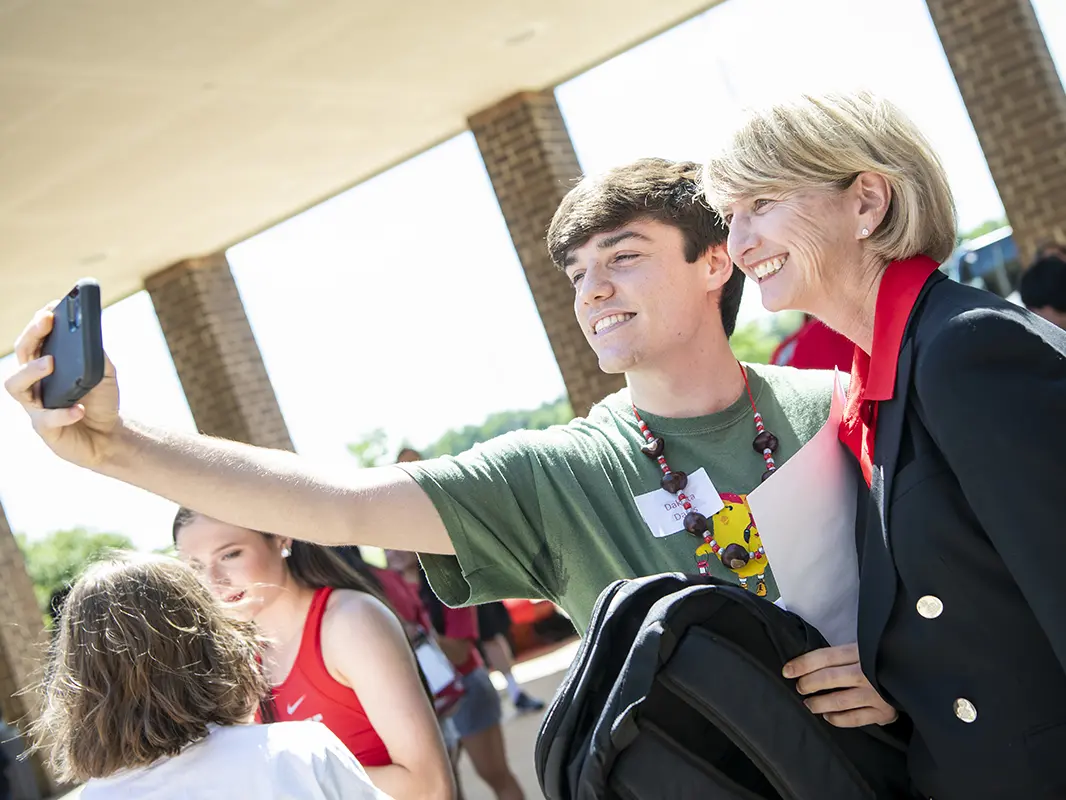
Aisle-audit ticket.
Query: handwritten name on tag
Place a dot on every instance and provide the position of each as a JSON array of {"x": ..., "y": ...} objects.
[{"x": 663, "y": 512}]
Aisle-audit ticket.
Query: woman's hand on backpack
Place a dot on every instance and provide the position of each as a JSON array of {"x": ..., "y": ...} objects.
[{"x": 849, "y": 700}]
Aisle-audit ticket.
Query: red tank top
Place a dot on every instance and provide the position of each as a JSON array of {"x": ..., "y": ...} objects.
[{"x": 310, "y": 692}]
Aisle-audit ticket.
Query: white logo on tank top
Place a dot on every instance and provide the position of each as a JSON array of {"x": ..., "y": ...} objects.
[{"x": 293, "y": 706}]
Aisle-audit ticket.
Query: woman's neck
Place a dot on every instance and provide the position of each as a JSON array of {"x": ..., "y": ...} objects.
[
  {"x": 282, "y": 621},
  {"x": 849, "y": 306},
  {"x": 701, "y": 380}
]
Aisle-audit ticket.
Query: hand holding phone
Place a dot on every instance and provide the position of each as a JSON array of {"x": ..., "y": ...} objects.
[
  {"x": 76, "y": 415},
  {"x": 76, "y": 346}
]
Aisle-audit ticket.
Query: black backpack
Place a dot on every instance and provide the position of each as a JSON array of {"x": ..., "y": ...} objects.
[{"x": 677, "y": 692}]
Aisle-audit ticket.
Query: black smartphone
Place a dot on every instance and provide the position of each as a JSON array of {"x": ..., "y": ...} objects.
[{"x": 76, "y": 345}]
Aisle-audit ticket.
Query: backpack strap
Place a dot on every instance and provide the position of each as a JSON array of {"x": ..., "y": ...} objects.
[
  {"x": 657, "y": 766},
  {"x": 805, "y": 762}
]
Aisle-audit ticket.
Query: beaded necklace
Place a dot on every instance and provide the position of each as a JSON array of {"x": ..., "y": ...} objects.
[{"x": 733, "y": 556}]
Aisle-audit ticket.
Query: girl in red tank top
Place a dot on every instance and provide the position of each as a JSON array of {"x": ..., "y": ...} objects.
[
  {"x": 335, "y": 653},
  {"x": 310, "y": 692}
]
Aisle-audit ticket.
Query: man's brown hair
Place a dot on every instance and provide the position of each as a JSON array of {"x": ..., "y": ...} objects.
[
  {"x": 144, "y": 661},
  {"x": 649, "y": 189}
]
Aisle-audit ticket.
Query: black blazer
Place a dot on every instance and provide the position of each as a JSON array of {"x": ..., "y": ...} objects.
[{"x": 962, "y": 547}]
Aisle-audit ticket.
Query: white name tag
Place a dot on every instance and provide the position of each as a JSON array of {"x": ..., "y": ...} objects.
[{"x": 665, "y": 514}]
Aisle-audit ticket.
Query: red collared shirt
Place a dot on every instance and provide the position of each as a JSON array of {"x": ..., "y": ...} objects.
[
  {"x": 814, "y": 346},
  {"x": 873, "y": 376}
]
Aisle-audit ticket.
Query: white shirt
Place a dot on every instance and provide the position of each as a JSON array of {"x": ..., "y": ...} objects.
[{"x": 284, "y": 761}]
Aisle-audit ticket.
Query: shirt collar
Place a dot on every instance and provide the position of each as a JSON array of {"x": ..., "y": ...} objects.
[{"x": 900, "y": 286}]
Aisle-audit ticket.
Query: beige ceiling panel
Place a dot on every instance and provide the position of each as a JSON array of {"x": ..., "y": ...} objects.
[{"x": 136, "y": 133}]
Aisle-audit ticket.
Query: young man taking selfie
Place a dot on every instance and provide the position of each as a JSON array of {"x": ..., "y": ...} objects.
[{"x": 555, "y": 514}]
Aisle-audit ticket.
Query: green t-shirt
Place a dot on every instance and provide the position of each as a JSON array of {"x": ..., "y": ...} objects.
[{"x": 551, "y": 514}]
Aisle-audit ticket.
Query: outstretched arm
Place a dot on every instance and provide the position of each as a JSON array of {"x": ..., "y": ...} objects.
[{"x": 267, "y": 490}]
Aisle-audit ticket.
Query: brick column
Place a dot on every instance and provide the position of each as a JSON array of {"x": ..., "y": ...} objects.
[
  {"x": 23, "y": 641},
  {"x": 215, "y": 353},
  {"x": 531, "y": 162},
  {"x": 1017, "y": 106}
]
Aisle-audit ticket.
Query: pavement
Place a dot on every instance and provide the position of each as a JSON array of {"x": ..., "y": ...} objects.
[{"x": 539, "y": 675}]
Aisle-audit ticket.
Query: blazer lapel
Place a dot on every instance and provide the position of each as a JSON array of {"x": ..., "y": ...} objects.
[{"x": 877, "y": 582}]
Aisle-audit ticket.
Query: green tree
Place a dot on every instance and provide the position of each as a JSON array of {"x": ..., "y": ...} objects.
[
  {"x": 371, "y": 449},
  {"x": 755, "y": 341},
  {"x": 557, "y": 412},
  {"x": 985, "y": 227},
  {"x": 55, "y": 561}
]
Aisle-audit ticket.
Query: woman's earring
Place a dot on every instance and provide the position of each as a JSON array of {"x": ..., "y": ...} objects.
[
  {"x": 285, "y": 552},
  {"x": 865, "y": 231}
]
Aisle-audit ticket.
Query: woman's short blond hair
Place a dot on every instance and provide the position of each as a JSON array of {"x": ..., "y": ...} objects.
[
  {"x": 143, "y": 662},
  {"x": 826, "y": 141}
]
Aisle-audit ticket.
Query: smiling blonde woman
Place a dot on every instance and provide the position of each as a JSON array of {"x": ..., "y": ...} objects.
[{"x": 839, "y": 207}]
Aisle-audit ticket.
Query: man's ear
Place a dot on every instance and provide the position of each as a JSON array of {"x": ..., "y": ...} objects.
[{"x": 719, "y": 266}]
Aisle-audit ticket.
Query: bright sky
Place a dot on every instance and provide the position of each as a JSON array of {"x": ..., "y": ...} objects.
[{"x": 425, "y": 331}]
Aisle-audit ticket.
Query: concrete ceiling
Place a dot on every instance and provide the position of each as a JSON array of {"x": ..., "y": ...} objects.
[{"x": 137, "y": 133}]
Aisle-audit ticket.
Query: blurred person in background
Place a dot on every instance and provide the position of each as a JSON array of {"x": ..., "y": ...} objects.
[
  {"x": 494, "y": 626},
  {"x": 476, "y": 721},
  {"x": 1043, "y": 288},
  {"x": 18, "y": 773},
  {"x": 1050, "y": 248},
  {"x": 814, "y": 346}
]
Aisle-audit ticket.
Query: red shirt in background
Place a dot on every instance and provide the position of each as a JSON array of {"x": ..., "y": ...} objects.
[
  {"x": 814, "y": 346},
  {"x": 461, "y": 623},
  {"x": 404, "y": 598},
  {"x": 458, "y": 623}
]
